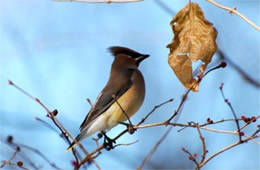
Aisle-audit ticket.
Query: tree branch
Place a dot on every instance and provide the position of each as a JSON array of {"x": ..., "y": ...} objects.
[{"x": 234, "y": 10}]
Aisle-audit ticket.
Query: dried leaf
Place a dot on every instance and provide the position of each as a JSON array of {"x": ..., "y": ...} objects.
[{"x": 194, "y": 39}]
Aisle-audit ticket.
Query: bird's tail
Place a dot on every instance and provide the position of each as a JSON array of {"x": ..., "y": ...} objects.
[
  {"x": 83, "y": 134},
  {"x": 71, "y": 146},
  {"x": 75, "y": 142}
]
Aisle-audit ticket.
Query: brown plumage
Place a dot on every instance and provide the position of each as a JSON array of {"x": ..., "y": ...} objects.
[{"x": 126, "y": 83}]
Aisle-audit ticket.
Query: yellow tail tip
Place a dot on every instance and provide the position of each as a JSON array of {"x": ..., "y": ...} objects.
[{"x": 70, "y": 147}]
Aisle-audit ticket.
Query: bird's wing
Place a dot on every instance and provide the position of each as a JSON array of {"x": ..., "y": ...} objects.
[{"x": 104, "y": 101}]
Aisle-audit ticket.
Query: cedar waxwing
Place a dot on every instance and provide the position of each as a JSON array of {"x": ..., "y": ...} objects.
[{"x": 125, "y": 88}]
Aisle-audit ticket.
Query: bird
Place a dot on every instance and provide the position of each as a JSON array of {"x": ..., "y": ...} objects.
[{"x": 121, "y": 97}]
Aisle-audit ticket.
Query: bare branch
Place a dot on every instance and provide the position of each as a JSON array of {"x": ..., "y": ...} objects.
[
  {"x": 100, "y": 1},
  {"x": 148, "y": 157},
  {"x": 234, "y": 10},
  {"x": 191, "y": 157},
  {"x": 89, "y": 101},
  {"x": 203, "y": 144},
  {"x": 155, "y": 107},
  {"x": 253, "y": 136},
  {"x": 52, "y": 116},
  {"x": 238, "y": 68},
  {"x": 232, "y": 109}
]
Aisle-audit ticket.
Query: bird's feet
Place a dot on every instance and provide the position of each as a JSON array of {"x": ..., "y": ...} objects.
[
  {"x": 129, "y": 127},
  {"x": 108, "y": 142}
]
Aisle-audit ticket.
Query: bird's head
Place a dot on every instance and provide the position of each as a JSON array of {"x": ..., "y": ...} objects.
[{"x": 127, "y": 56}]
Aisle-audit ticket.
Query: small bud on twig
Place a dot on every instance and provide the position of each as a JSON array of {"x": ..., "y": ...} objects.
[
  {"x": 19, "y": 163},
  {"x": 55, "y": 112},
  {"x": 223, "y": 64},
  {"x": 18, "y": 148},
  {"x": 9, "y": 139},
  {"x": 10, "y": 82}
]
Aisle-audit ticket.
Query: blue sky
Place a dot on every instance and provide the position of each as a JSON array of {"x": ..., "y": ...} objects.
[{"x": 57, "y": 51}]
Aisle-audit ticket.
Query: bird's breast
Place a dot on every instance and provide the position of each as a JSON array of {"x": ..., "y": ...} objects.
[{"x": 130, "y": 101}]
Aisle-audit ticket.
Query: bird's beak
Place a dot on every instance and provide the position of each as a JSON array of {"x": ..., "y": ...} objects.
[
  {"x": 146, "y": 56},
  {"x": 141, "y": 58}
]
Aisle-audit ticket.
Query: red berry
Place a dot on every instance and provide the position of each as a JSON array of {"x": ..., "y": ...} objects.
[
  {"x": 190, "y": 158},
  {"x": 206, "y": 151},
  {"x": 208, "y": 120},
  {"x": 243, "y": 117},
  {"x": 242, "y": 133},
  {"x": 99, "y": 135},
  {"x": 211, "y": 122},
  {"x": 74, "y": 163},
  {"x": 10, "y": 82},
  {"x": 253, "y": 119},
  {"x": 223, "y": 64},
  {"x": 221, "y": 85},
  {"x": 10, "y": 139},
  {"x": 226, "y": 100},
  {"x": 247, "y": 120},
  {"x": 18, "y": 148},
  {"x": 200, "y": 77},
  {"x": 195, "y": 155},
  {"x": 55, "y": 112},
  {"x": 19, "y": 163}
]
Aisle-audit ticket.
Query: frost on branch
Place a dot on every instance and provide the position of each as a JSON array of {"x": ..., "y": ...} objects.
[{"x": 194, "y": 39}]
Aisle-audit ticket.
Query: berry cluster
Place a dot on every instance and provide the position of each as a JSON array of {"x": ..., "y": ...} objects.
[
  {"x": 193, "y": 157},
  {"x": 74, "y": 163},
  {"x": 248, "y": 119},
  {"x": 210, "y": 121}
]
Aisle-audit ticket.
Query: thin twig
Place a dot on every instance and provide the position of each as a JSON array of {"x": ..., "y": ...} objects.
[
  {"x": 47, "y": 125},
  {"x": 184, "y": 97},
  {"x": 253, "y": 136},
  {"x": 51, "y": 115},
  {"x": 89, "y": 102},
  {"x": 155, "y": 107},
  {"x": 191, "y": 157},
  {"x": 148, "y": 157},
  {"x": 12, "y": 157},
  {"x": 203, "y": 144},
  {"x": 90, "y": 155},
  {"x": 126, "y": 144},
  {"x": 234, "y": 10},
  {"x": 126, "y": 115},
  {"x": 97, "y": 150},
  {"x": 100, "y": 1},
  {"x": 232, "y": 110},
  {"x": 38, "y": 153},
  {"x": 238, "y": 68},
  {"x": 20, "y": 152}
]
